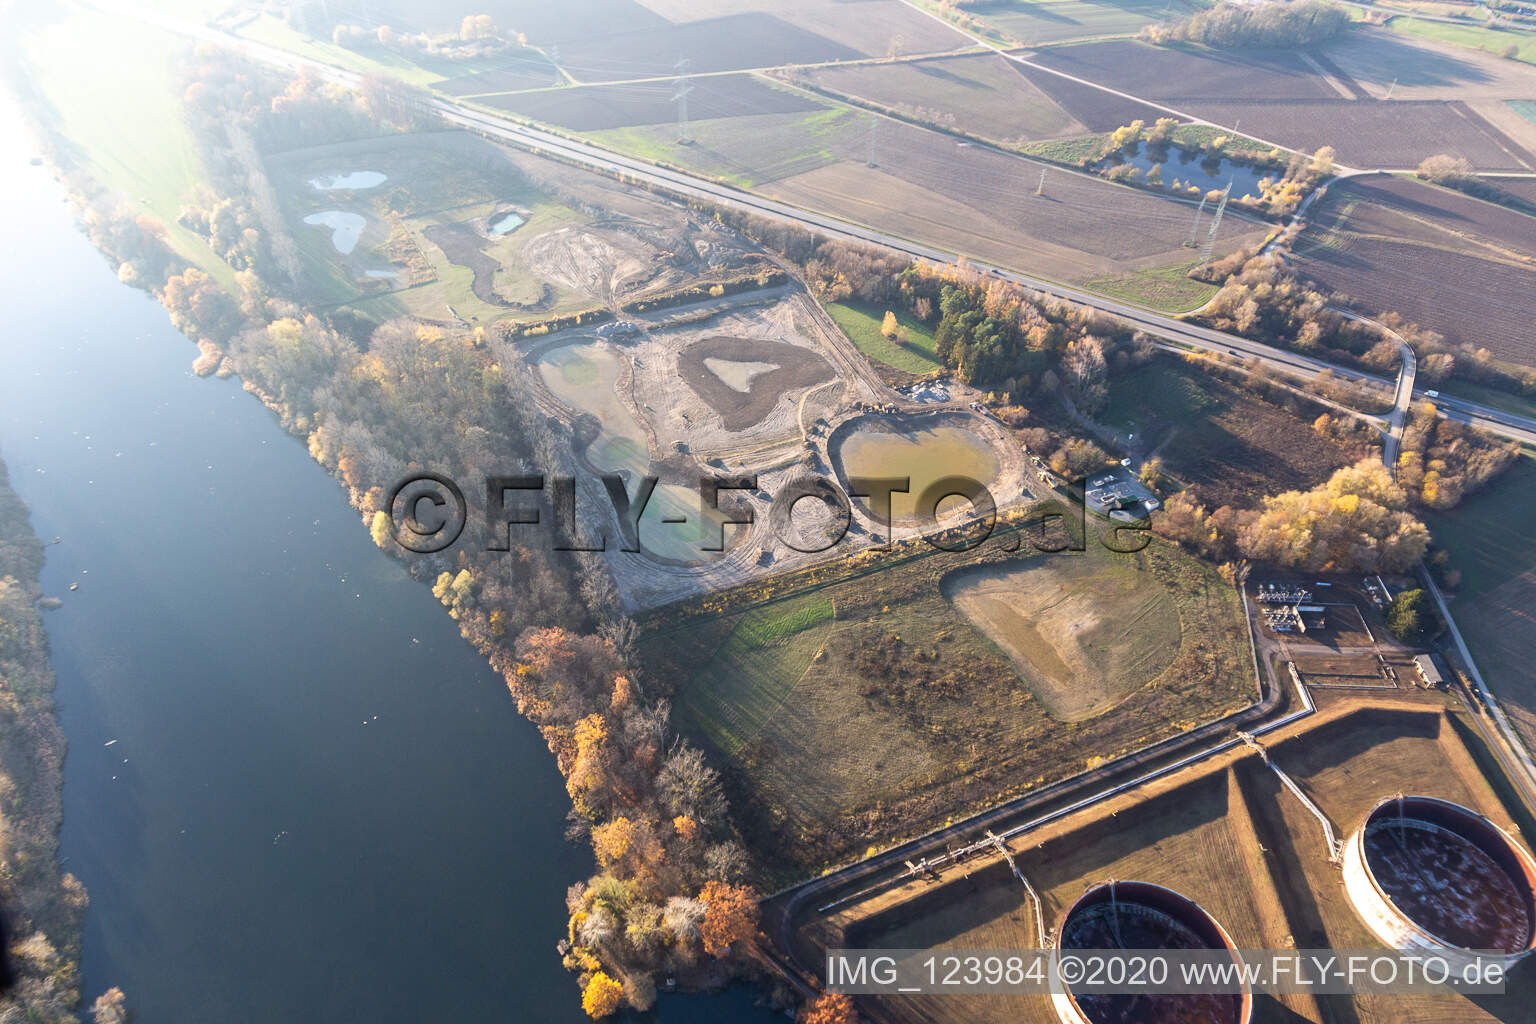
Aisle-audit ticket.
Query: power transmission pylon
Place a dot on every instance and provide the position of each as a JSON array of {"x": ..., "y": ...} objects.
[
  {"x": 681, "y": 87},
  {"x": 1194, "y": 229},
  {"x": 1210, "y": 239},
  {"x": 1040, "y": 189},
  {"x": 873, "y": 121},
  {"x": 554, "y": 60},
  {"x": 1390, "y": 88}
]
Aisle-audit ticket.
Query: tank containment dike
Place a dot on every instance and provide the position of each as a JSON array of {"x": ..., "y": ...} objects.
[
  {"x": 1140, "y": 915},
  {"x": 1429, "y": 876},
  {"x": 1335, "y": 851}
]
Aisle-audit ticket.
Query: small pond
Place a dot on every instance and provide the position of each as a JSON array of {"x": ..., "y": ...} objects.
[
  {"x": 346, "y": 228},
  {"x": 504, "y": 223},
  {"x": 348, "y": 180},
  {"x": 925, "y": 455},
  {"x": 1190, "y": 167},
  {"x": 585, "y": 377}
]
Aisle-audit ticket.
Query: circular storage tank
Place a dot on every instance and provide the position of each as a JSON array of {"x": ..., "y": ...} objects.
[
  {"x": 1139, "y": 915},
  {"x": 1430, "y": 876}
]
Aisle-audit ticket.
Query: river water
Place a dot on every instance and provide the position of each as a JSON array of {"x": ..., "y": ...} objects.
[{"x": 318, "y": 803}]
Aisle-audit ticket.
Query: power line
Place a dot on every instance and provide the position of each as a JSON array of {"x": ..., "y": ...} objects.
[
  {"x": 681, "y": 87},
  {"x": 1194, "y": 229},
  {"x": 1210, "y": 239}
]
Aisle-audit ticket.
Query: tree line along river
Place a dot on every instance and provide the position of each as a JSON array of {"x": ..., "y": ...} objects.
[{"x": 292, "y": 790}]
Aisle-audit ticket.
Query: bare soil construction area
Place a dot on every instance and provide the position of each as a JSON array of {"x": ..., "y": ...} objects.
[
  {"x": 1457, "y": 265},
  {"x": 774, "y": 370},
  {"x": 1223, "y": 833},
  {"x": 1083, "y": 632}
]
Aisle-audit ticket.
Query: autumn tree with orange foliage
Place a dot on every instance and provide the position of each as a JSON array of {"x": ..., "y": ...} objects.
[
  {"x": 828, "y": 1008},
  {"x": 602, "y": 996},
  {"x": 730, "y": 916}
]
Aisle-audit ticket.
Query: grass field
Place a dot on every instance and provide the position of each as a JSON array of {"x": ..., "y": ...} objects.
[
  {"x": 1478, "y": 37},
  {"x": 861, "y": 322},
  {"x": 1495, "y": 551},
  {"x": 761, "y": 659},
  {"x": 1036, "y": 22},
  {"x": 853, "y": 713},
  {"x": 1226, "y": 445},
  {"x": 1169, "y": 289},
  {"x": 111, "y": 84},
  {"x": 1077, "y": 150}
]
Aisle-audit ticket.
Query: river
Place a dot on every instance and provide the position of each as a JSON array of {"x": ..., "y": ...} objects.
[{"x": 292, "y": 790}]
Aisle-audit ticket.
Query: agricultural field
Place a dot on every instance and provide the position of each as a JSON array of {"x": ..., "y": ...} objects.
[
  {"x": 1171, "y": 73},
  {"x": 1369, "y": 134},
  {"x": 746, "y": 148},
  {"x": 1094, "y": 108},
  {"x": 1224, "y": 444},
  {"x": 595, "y": 41},
  {"x": 968, "y": 198},
  {"x": 1520, "y": 188},
  {"x": 1457, "y": 265},
  {"x": 861, "y": 322},
  {"x": 1038, "y": 22},
  {"x": 870, "y": 27},
  {"x": 1302, "y": 101},
  {"x": 856, "y": 712},
  {"x": 599, "y": 107},
  {"x": 981, "y": 94},
  {"x": 1423, "y": 69},
  {"x": 982, "y": 202},
  {"x": 1223, "y": 833},
  {"x": 1492, "y": 604}
]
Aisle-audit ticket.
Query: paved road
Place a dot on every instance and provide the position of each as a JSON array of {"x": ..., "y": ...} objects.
[{"x": 1402, "y": 397}]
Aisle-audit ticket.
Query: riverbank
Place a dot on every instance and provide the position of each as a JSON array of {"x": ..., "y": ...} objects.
[{"x": 43, "y": 907}]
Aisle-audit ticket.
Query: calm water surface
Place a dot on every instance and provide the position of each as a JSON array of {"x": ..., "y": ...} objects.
[{"x": 320, "y": 804}]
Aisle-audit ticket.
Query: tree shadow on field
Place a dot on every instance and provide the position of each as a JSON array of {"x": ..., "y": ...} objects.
[
  {"x": 1103, "y": 841},
  {"x": 1409, "y": 64},
  {"x": 934, "y": 71}
]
